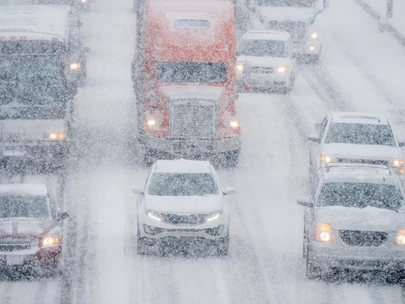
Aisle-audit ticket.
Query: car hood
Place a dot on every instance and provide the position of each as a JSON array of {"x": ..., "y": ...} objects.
[
  {"x": 183, "y": 204},
  {"x": 27, "y": 129},
  {"x": 192, "y": 91},
  {"x": 264, "y": 61},
  {"x": 361, "y": 151},
  {"x": 25, "y": 228},
  {"x": 366, "y": 219},
  {"x": 287, "y": 13}
]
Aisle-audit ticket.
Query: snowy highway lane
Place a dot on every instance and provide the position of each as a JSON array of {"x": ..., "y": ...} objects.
[{"x": 265, "y": 264}]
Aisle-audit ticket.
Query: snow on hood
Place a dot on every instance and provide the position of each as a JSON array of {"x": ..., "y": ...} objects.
[
  {"x": 361, "y": 151},
  {"x": 32, "y": 129},
  {"x": 265, "y": 61},
  {"x": 184, "y": 204},
  {"x": 366, "y": 219},
  {"x": 192, "y": 91},
  {"x": 25, "y": 227},
  {"x": 287, "y": 13}
]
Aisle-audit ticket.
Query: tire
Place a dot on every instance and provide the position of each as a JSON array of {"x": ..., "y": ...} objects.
[
  {"x": 310, "y": 271},
  {"x": 140, "y": 243},
  {"x": 223, "y": 246}
]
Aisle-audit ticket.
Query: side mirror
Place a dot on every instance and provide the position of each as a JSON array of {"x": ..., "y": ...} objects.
[
  {"x": 229, "y": 190},
  {"x": 401, "y": 144},
  {"x": 138, "y": 191},
  {"x": 86, "y": 50},
  {"x": 314, "y": 139},
  {"x": 306, "y": 202},
  {"x": 62, "y": 216}
]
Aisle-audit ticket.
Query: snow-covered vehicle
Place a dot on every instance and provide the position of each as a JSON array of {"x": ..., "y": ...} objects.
[
  {"x": 82, "y": 5},
  {"x": 48, "y": 31},
  {"x": 265, "y": 61},
  {"x": 355, "y": 220},
  {"x": 354, "y": 137},
  {"x": 182, "y": 203},
  {"x": 298, "y": 18},
  {"x": 30, "y": 228}
]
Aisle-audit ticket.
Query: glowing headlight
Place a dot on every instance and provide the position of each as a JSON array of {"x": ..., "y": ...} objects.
[
  {"x": 311, "y": 48},
  {"x": 239, "y": 67},
  {"x": 49, "y": 241},
  {"x": 234, "y": 124},
  {"x": 400, "y": 237},
  {"x": 75, "y": 66},
  {"x": 323, "y": 233},
  {"x": 314, "y": 35},
  {"x": 83, "y": 1},
  {"x": 151, "y": 122},
  {"x": 214, "y": 216},
  {"x": 282, "y": 69},
  {"x": 326, "y": 159},
  {"x": 56, "y": 136},
  {"x": 397, "y": 163},
  {"x": 154, "y": 215}
]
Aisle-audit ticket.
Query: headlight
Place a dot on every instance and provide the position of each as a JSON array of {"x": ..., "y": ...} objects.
[
  {"x": 214, "y": 216},
  {"x": 239, "y": 67},
  {"x": 400, "y": 237},
  {"x": 56, "y": 136},
  {"x": 397, "y": 163},
  {"x": 83, "y": 1},
  {"x": 153, "y": 123},
  {"x": 314, "y": 35},
  {"x": 48, "y": 241},
  {"x": 234, "y": 124},
  {"x": 326, "y": 159},
  {"x": 154, "y": 215},
  {"x": 282, "y": 69},
  {"x": 323, "y": 233},
  {"x": 75, "y": 66}
]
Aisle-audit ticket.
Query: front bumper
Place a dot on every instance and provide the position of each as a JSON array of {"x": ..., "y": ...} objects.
[
  {"x": 40, "y": 257},
  {"x": 339, "y": 255},
  {"x": 192, "y": 146},
  {"x": 41, "y": 151}
]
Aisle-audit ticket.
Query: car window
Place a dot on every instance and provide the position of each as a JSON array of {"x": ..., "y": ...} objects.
[
  {"x": 24, "y": 207},
  {"x": 273, "y": 48},
  {"x": 182, "y": 184},
  {"x": 360, "y": 195},
  {"x": 361, "y": 134}
]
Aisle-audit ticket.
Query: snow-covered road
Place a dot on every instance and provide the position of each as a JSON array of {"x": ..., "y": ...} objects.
[{"x": 361, "y": 69}]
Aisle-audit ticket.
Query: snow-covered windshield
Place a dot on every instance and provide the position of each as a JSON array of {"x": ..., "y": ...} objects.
[
  {"x": 273, "y": 48},
  {"x": 360, "y": 134},
  {"x": 360, "y": 195},
  {"x": 24, "y": 206},
  {"x": 31, "y": 79},
  {"x": 192, "y": 72},
  {"x": 297, "y": 29},
  {"x": 182, "y": 184},
  {"x": 288, "y": 3}
]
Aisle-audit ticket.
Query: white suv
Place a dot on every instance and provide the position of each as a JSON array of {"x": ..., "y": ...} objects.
[
  {"x": 265, "y": 61},
  {"x": 355, "y": 220},
  {"x": 182, "y": 203},
  {"x": 350, "y": 137}
]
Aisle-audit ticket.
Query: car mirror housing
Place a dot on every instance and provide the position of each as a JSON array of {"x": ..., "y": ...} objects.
[
  {"x": 314, "y": 139},
  {"x": 306, "y": 202},
  {"x": 229, "y": 190},
  {"x": 138, "y": 191}
]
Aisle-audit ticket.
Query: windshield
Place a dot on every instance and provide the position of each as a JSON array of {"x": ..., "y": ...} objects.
[
  {"x": 33, "y": 112},
  {"x": 297, "y": 29},
  {"x": 288, "y": 3},
  {"x": 271, "y": 48},
  {"x": 31, "y": 79},
  {"x": 24, "y": 206},
  {"x": 360, "y": 195},
  {"x": 192, "y": 72},
  {"x": 182, "y": 184},
  {"x": 360, "y": 134}
]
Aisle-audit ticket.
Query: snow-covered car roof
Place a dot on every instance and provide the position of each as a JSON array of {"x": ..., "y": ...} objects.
[
  {"x": 182, "y": 166},
  {"x": 359, "y": 173},
  {"x": 266, "y": 35},
  {"x": 24, "y": 189},
  {"x": 35, "y": 22},
  {"x": 359, "y": 118}
]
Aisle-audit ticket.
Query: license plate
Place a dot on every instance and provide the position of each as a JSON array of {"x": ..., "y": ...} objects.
[
  {"x": 14, "y": 153},
  {"x": 15, "y": 260}
]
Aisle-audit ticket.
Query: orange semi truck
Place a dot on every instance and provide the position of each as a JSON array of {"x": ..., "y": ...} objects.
[{"x": 185, "y": 82}]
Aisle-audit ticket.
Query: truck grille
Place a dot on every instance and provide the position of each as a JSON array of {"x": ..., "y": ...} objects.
[
  {"x": 363, "y": 161},
  {"x": 261, "y": 70},
  {"x": 193, "y": 118},
  {"x": 9, "y": 245},
  {"x": 363, "y": 238},
  {"x": 175, "y": 219}
]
